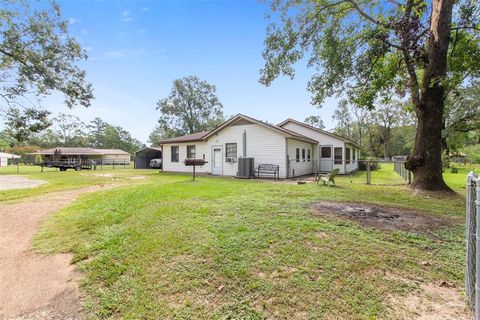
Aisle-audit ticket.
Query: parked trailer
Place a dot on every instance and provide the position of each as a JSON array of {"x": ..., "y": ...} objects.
[{"x": 76, "y": 165}]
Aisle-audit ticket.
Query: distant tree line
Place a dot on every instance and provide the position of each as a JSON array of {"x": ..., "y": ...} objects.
[
  {"x": 64, "y": 130},
  {"x": 389, "y": 129}
]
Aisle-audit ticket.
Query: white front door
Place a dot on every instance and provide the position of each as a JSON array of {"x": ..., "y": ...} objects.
[
  {"x": 217, "y": 160},
  {"x": 326, "y": 158}
]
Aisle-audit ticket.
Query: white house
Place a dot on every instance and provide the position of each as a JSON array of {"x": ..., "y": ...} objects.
[
  {"x": 4, "y": 158},
  {"x": 241, "y": 136},
  {"x": 332, "y": 151},
  {"x": 294, "y": 149}
]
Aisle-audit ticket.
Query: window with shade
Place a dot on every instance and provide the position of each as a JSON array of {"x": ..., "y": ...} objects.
[
  {"x": 308, "y": 155},
  {"x": 303, "y": 155},
  {"x": 297, "y": 155},
  {"x": 338, "y": 156},
  {"x": 231, "y": 152},
  {"x": 174, "y": 153},
  {"x": 191, "y": 152},
  {"x": 326, "y": 152},
  {"x": 347, "y": 155}
]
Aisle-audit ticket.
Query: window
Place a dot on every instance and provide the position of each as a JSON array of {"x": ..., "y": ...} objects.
[
  {"x": 308, "y": 155},
  {"x": 303, "y": 155},
  {"x": 326, "y": 152},
  {"x": 354, "y": 154},
  {"x": 191, "y": 152},
  {"x": 297, "y": 155},
  {"x": 231, "y": 152},
  {"x": 174, "y": 151},
  {"x": 347, "y": 155},
  {"x": 338, "y": 156}
]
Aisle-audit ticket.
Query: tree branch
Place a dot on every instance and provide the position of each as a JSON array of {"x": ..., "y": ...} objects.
[
  {"x": 367, "y": 16},
  {"x": 409, "y": 63}
]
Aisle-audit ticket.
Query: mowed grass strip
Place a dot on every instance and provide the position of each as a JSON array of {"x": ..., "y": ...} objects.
[{"x": 221, "y": 248}]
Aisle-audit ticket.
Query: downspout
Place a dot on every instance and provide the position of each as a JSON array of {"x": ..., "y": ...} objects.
[
  {"x": 244, "y": 141},
  {"x": 287, "y": 160}
]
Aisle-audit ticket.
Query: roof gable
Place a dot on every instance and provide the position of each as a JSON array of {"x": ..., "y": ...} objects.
[
  {"x": 346, "y": 140},
  {"x": 237, "y": 120},
  {"x": 241, "y": 119}
]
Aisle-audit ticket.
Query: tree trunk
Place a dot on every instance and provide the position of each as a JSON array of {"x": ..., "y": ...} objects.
[{"x": 426, "y": 161}]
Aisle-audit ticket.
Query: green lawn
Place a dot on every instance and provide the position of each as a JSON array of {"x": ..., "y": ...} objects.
[
  {"x": 222, "y": 248},
  {"x": 70, "y": 179}
]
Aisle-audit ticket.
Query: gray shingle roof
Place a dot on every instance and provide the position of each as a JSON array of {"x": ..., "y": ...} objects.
[{"x": 187, "y": 138}]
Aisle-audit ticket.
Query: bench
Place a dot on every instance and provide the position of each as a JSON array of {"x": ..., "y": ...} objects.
[
  {"x": 268, "y": 168},
  {"x": 326, "y": 179}
]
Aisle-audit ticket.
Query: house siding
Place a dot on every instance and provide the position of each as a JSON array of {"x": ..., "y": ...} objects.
[
  {"x": 324, "y": 140},
  {"x": 303, "y": 166},
  {"x": 263, "y": 144},
  {"x": 201, "y": 148}
]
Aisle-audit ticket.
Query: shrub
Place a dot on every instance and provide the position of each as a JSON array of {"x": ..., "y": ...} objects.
[
  {"x": 472, "y": 153},
  {"x": 453, "y": 170},
  {"x": 374, "y": 165}
]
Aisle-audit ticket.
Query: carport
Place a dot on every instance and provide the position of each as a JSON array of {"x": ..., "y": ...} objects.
[{"x": 143, "y": 157}]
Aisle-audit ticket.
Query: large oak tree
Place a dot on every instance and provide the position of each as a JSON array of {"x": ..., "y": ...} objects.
[
  {"x": 363, "y": 49},
  {"x": 38, "y": 56},
  {"x": 191, "y": 107}
]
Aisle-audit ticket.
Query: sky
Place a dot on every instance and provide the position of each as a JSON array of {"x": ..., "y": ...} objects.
[{"x": 136, "y": 49}]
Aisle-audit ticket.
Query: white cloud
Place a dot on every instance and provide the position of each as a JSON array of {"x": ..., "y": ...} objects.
[
  {"x": 73, "y": 21},
  {"x": 122, "y": 53},
  {"x": 126, "y": 16}
]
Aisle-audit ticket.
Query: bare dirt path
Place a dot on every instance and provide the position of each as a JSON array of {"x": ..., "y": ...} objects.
[{"x": 34, "y": 286}]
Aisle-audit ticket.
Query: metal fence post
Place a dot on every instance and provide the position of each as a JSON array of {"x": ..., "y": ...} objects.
[
  {"x": 477, "y": 252},
  {"x": 470, "y": 239},
  {"x": 369, "y": 175}
]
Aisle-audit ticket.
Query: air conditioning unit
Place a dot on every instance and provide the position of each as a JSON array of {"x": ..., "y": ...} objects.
[{"x": 246, "y": 168}]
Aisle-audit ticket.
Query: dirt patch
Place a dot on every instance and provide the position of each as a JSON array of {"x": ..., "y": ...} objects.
[
  {"x": 103, "y": 175},
  {"x": 385, "y": 218},
  {"x": 35, "y": 286},
  {"x": 431, "y": 302},
  {"x": 138, "y": 178},
  {"x": 18, "y": 182}
]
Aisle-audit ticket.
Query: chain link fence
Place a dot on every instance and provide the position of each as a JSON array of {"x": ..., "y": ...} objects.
[
  {"x": 378, "y": 172},
  {"x": 472, "y": 239},
  {"x": 399, "y": 167}
]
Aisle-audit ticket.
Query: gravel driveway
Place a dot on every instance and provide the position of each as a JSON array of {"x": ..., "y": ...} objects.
[{"x": 18, "y": 182}]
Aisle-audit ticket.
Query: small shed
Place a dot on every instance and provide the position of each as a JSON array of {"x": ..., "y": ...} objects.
[
  {"x": 143, "y": 157},
  {"x": 4, "y": 157}
]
